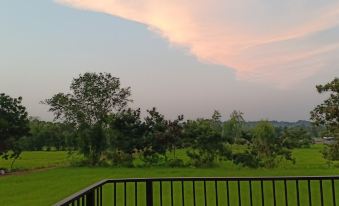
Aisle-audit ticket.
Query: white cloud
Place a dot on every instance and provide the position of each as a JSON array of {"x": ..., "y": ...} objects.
[{"x": 271, "y": 41}]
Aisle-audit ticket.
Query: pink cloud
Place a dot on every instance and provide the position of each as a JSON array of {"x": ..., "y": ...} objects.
[{"x": 262, "y": 40}]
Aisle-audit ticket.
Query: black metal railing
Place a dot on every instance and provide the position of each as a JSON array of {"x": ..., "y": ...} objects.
[{"x": 263, "y": 191}]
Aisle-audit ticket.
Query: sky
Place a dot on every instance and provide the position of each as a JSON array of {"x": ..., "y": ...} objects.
[{"x": 262, "y": 57}]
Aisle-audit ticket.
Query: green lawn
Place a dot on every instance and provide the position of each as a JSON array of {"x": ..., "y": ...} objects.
[
  {"x": 50, "y": 186},
  {"x": 37, "y": 160}
]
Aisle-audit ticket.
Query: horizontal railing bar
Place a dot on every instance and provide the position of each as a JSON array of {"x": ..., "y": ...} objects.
[{"x": 268, "y": 178}]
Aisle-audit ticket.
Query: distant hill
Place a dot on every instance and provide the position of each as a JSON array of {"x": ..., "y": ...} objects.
[{"x": 299, "y": 123}]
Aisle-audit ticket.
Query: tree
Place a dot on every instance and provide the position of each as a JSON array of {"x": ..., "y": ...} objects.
[
  {"x": 13, "y": 126},
  {"x": 296, "y": 137},
  {"x": 47, "y": 135},
  {"x": 233, "y": 128},
  {"x": 93, "y": 98},
  {"x": 156, "y": 142},
  {"x": 206, "y": 142},
  {"x": 216, "y": 117},
  {"x": 127, "y": 130},
  {"x": 327, "y": 114},
  {"x": 265, "y": 149},
  {"x": 174, "y": 134}
]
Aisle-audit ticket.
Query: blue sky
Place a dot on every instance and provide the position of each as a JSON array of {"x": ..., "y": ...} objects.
[{"x": 44, "y": 44}]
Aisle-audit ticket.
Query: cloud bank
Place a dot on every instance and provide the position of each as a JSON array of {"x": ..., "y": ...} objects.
[{"x": 272, "y": 41}]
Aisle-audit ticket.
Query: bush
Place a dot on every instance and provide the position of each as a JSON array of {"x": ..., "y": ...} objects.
[
  {"x": 151, "y": 158},
  {"x": 246, "y": 159},
  {"x": 201, "y": 159},
  {"x": 331, "y": 152},
  {"x": 120, "y": 158},
  {"x": 176, "y": 163}
]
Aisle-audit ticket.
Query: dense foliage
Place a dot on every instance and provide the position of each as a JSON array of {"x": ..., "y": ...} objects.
[
  {"x": 48, "y": 136},
  {"x": 13, "y": 126},
  {"x": 327, "y": 114},
  {"x": 93, "y": 98}
]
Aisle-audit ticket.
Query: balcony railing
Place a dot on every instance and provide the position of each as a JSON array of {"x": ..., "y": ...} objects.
[{"x": 211, "y": 191}]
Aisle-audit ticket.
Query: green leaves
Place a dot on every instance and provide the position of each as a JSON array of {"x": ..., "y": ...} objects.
[
  {"x": 13, "y": 125},
  {"x": 93, "y": 98},
  {"x": 327, "y": 114}
]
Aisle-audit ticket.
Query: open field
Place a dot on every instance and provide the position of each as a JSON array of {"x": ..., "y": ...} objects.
[
  {"x": 37, "y": 160},
  {"x": 47, "y": 187}
]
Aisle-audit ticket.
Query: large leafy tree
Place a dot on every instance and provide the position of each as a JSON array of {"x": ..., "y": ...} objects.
[
  {"x": 327, "y": 114},
  {"x": 93, "y": 98},
  {"x": 13, "y": 125}
]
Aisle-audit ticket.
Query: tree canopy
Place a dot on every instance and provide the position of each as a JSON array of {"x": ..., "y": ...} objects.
[
  {"x": 92, "y": 99},
  {"x": 327, "y": 114},
  {"x": 13, "y": 125}
]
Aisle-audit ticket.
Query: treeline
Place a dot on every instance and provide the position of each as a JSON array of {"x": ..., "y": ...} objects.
[
  {"x": 95, "y": 120},
  {"x": 46, "y": 135},
  {"x": 155, "y": 140}
]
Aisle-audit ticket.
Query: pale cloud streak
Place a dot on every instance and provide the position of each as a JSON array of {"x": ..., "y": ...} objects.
[{"x": 270, "y": 41}]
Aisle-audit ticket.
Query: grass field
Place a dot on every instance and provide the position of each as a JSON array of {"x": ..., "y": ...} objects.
[
  {"x": 37, "y": 160},
  {"x": 50, "y": 186}
]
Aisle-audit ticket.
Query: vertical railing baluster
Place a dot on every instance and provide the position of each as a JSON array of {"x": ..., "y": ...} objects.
[
  {"x": 90, "y": 198},
  {"x": 100, "y": 195},
  {"x": 262, "y": 193},
  {"x": 309, "y": 192},
  {"x": 160, "y": 192},
  {"x": 205, "y": 194},
  {"x": 286, "y": 194},
  {"x": 297, "y": 190},
  {"x": 172, "y": 199},
  {"x": 251, "y": 195},
  {"x": 216, "y": 193},
  {"x": 321, "y": 192},
  {"x": 239, "y": 193},
  {"x": 136, "y": 193},
  {"x": 97, "y": 196},
  {"x": 228, "y": 193},
  {"x": 125, "y": 195},
  {"x": 149, "y": 192},
  {"x": 274, "y": 195},
  {"x": 183, "y": 192},
  {"x": 194, "y": 201},
  {"x": 115, "y": 193},
  {"x": 333, "y": 192}
]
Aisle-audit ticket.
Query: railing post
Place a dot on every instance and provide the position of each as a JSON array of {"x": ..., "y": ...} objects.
[
  {"x": 90, "y": 198},
  {"x": 149, "y": 192}
]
